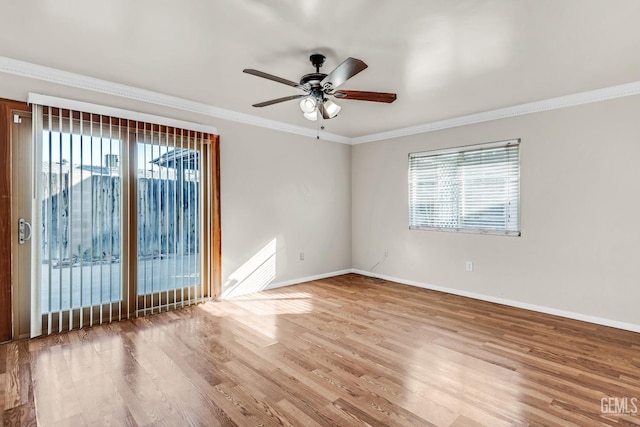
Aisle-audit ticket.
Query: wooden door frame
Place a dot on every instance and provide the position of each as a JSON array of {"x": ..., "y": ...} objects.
[
  {"x": 216, "y": 226},
  {"x": 7, "y": 107}
]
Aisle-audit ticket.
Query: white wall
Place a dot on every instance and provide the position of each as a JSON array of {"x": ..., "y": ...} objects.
[
  {"x": 580, "y": 205},
  {"x": 293, "y": 189}
]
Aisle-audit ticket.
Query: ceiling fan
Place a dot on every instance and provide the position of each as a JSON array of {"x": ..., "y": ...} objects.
[{"x": 318, "y": 86}]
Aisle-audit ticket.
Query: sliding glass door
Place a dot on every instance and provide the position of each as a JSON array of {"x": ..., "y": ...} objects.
[
  {"x": 121, "y": 215},
  {"x": 169, "y": 189}
]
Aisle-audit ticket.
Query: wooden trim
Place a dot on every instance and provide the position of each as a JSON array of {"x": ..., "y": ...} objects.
[
  {"x": 6, "y": 108},
  {"x": 216, "y": 226},
  {"x": 205, "y": 215},
  {"x": 130, "y": 178}
]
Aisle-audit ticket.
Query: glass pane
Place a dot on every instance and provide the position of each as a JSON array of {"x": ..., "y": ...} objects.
[
  {"x": 81, "y": 220},
  {"x": 168, "y": 216}
]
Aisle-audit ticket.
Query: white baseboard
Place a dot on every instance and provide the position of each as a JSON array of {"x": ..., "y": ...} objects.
[
  {"x": 296, "y": 281},
  {"x": 511, "y": 303},
  {"x": 307, "y": 279},
  {"x": 541, "y": 309}
]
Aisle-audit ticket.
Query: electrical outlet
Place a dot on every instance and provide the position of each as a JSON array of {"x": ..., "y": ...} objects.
[
  {"x": 301, "y": 256},
  {"x": 469, "y": 265}
]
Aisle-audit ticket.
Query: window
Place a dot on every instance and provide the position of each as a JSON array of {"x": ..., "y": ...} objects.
[{"x": 473, "y": 189}]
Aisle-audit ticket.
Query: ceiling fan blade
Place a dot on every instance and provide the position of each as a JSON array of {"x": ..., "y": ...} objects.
[
  {"x": 323, "y": 111},
  {"x": 275, "y": 101},
  {"x": 343, "y": 72},
  {"x": 270, "y": 77},
  {"x": 360, "y": 95}
]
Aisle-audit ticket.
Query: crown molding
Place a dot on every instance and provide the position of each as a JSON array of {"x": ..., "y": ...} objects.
[
  {"x": 66, "y": 78},
  {"x": 53, "y": 75},
  {"x": 503, "y": 113}
]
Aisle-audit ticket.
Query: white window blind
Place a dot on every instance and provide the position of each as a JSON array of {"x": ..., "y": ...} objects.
[
  {"x": 123, "y": 218},
  {"x": 475, "y": 189}
]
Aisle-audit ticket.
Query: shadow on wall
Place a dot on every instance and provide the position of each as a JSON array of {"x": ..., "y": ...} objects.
[{"x": 254, "y": 275}]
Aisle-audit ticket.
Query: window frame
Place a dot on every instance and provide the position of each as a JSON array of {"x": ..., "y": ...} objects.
[{"x": 461, "y": 150}]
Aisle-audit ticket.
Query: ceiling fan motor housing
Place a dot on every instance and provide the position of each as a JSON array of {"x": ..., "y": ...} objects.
[
  {"x": 312, "y": 80},
  {"x": 317, "y": 60}
]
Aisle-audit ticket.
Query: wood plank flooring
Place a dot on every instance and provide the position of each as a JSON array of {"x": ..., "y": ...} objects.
[{"x": 339, "y": 351}]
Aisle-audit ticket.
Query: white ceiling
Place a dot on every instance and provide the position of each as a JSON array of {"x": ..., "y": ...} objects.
[{"x": 444, "y": 58}]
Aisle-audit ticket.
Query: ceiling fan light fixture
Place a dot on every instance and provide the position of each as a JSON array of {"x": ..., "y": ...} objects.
[
  {"x": 331, "y": 108},
  {"x": 308, "y": 105},
  {"x": 319, "y": 85},
  {"x": 313, "y": 115}
]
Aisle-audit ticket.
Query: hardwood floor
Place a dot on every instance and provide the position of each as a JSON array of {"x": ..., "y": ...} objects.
[{"x": 339, "y": 351}]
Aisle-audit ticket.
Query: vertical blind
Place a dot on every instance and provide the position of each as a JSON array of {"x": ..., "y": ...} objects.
[
  {"x": 466, "y": 189},
  {"x": 121, "y": 218}
]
